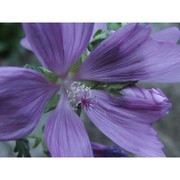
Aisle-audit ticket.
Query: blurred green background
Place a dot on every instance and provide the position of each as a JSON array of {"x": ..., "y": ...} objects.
[{"x": 13, "y": 54}]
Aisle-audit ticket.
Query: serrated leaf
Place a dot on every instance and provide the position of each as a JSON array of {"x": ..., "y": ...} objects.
[
  {"x": 52, "y": 103},
  {"x": 98, "y": 32},
  {"x": 98, "y": 38},
  {"x": 113, "y": 26}
]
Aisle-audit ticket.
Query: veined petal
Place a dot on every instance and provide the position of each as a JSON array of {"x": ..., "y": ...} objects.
[
  {"x": 58, "y": 45},
  {"x": 24, "y": 42},
  {"x": 158, "y": 62},
  {"x": 65, "y": 133},
  {"x": 128, "y": 125},
  {"x": 97, "y": 26},
  {"x": 151, "y": 61},
  {"x": 23, "y": 96},
  {"x": 108, "y": 56},
  {"x": 170, "y": 35},
  {"x": 150, "y": 104}
]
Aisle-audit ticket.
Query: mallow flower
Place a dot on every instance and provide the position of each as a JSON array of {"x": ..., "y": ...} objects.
[{"x": 130, "y": 54}]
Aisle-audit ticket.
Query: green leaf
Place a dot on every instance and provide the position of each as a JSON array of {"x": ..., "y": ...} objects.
[
  {"x": 113, "y": 26},
  {"x": 43, "y": 128},
  {"x": 36, "y": 138},
  {"x": 48, "y": 74},
  {"x": 83, "y": 57},
  {"x": 52, "y": 103},
  {"x": 37, "y": 142},
  {"x": 22, "y": 148},
  {"x": 115, "y": 88},
  {"x": 100, "y": 35},
  {"x": 45, "y": 150},
  {"x": 28, "y": 66},
  {"x": 40, "y": 140},
  {"x": 98, "y": 32},
  {"x": 75, "y": 67},
  {"x": 47, "y": 153},
  {"x": 112, "y": 88},
  {"x": 98, "y": 38},
  {"x": 91, "y": 84}
]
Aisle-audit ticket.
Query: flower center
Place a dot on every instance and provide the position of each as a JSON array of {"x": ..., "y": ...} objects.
[{"x": 79, "y": 95}]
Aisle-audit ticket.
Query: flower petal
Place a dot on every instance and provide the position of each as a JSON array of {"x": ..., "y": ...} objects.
[
  {"x": 23, "y": 96},
  {"x": 151, "y": 99},
  {"x": 25, "y": 43},
  {"x": 65, "y": 133},
  {"x": 128, "y": 122},
  {"x": 101, "y": 150},
  {"x": 161, "y": 63},
  {"x": 58, "y": 45},
  {"x": 106, "y": 58},
  {"x": 170, "y": 35},
  {"x": 152, "y": 61}
]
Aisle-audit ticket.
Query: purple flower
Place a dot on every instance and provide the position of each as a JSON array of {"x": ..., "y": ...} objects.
[{"x": 130, "y": 54}]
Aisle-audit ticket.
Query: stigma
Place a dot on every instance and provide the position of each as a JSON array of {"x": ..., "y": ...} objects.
[{"x": 79, "y": 95}]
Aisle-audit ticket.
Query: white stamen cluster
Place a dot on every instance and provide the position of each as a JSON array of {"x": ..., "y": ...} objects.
[{"x": 79, "y": 94}]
